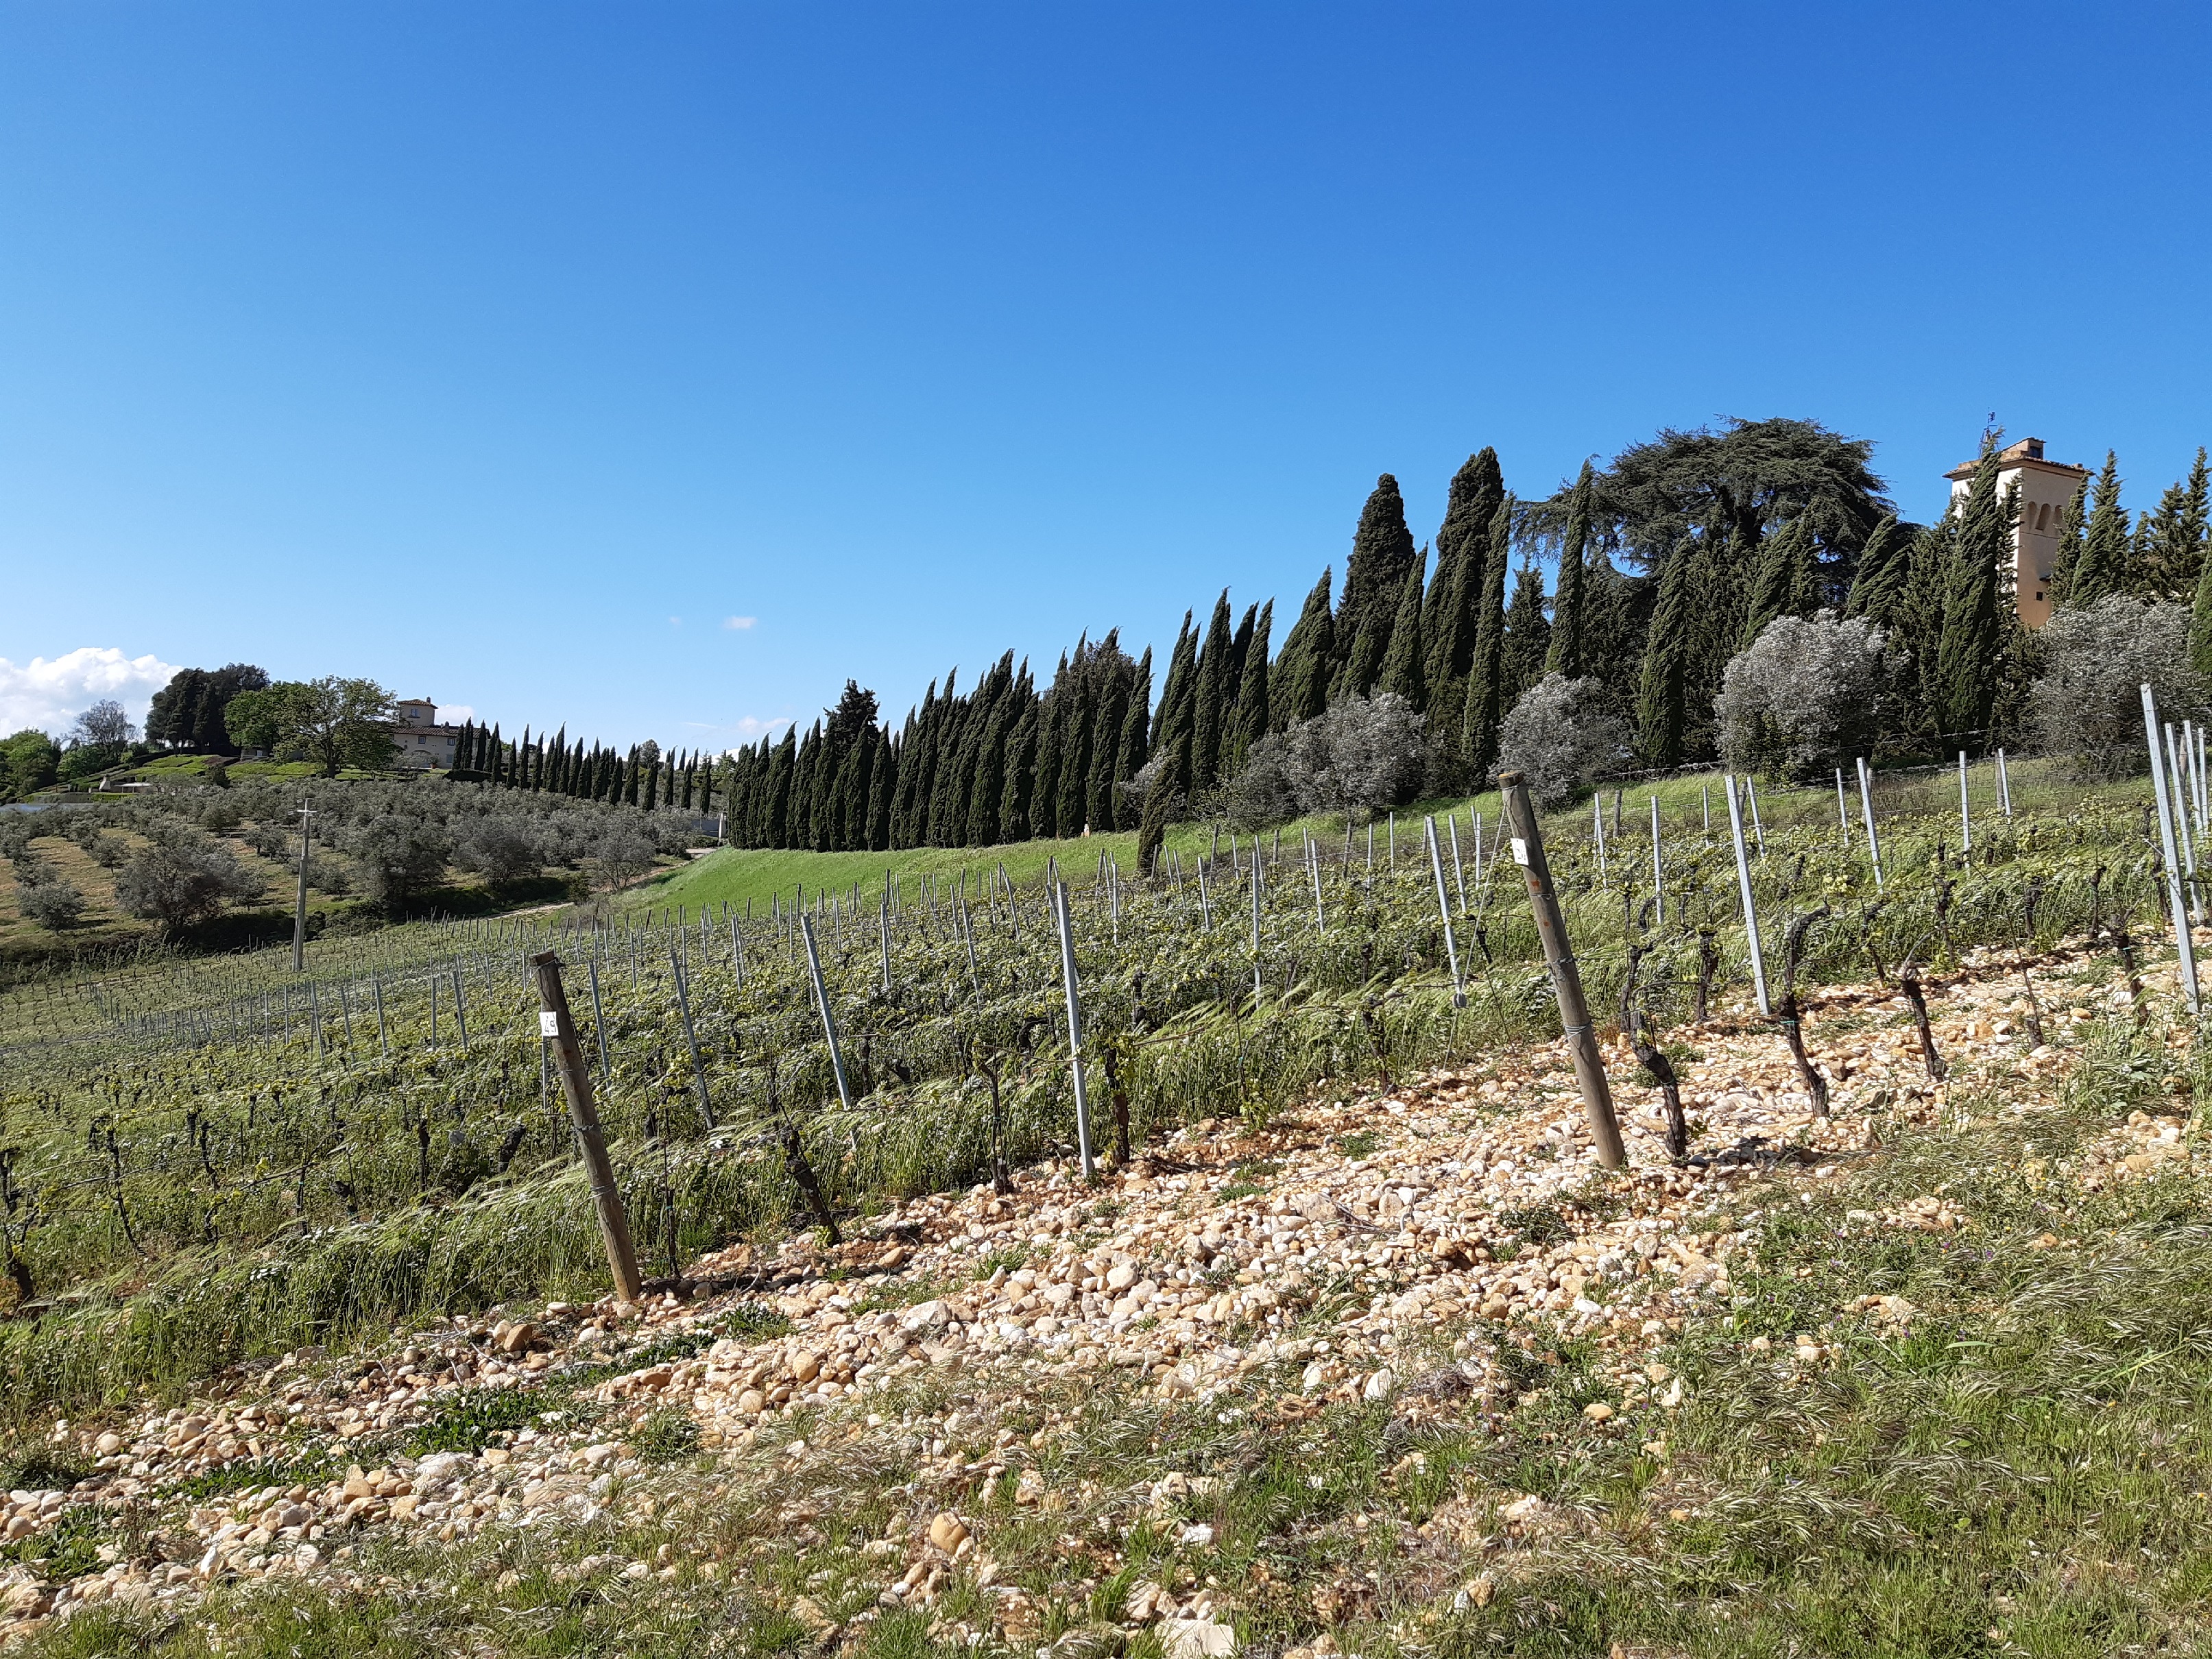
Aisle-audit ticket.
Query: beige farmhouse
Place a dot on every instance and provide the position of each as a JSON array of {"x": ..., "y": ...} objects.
[{"x": 420, "y": 741}]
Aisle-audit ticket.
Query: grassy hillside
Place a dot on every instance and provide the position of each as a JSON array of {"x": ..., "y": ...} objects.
[{"x": 735, "y": 875}]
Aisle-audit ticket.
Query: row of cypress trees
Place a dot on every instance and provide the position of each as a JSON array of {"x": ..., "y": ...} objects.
[
  {"x": 640, "y": 776},
  {"x": 1001, "y": 762},
  {"x": 1458, "y": 639}
]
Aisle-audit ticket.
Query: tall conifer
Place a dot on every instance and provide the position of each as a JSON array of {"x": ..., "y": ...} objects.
[
  {"x": 1568, "y": 623},
  {"x": 1879, "y": 582},
  {"x": 1403, "y": 665},
  {"x": 1448, "y": 623},
  {"x": 1374, "y": 580},
  {"x": 1527, "y": 634},
  {"x": 1973, "y": 640},
  {"x": 1778, "y": 589},
  {"x": 1299, "y": 689},
  {"x": 2103, "y": 567},
  {"x": 1249, "y": 722},
  {"x": 1486, "y": 679},
  {"x": 1662, "y": 701},
  {"x": 1213, "y": 691}
]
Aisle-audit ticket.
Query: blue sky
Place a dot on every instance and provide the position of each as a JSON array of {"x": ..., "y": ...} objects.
[{"x": 504, "y": 352}]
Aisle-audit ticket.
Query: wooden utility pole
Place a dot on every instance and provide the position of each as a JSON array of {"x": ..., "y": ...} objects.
[
  {"x": 576, "y": 1085},
  {"x": 1528, "y": 844},
  {"x": 306, "y": 815}
]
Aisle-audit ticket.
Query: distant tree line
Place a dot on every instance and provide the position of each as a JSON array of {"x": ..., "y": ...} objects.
[{"x": 1672, "y": 561}]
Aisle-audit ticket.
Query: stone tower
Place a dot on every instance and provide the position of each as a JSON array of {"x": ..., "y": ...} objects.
[{"x": 2045, "y": 488}]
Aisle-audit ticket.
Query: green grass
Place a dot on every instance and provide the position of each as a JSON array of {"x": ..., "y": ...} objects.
[{"x": 735, "y": 876}]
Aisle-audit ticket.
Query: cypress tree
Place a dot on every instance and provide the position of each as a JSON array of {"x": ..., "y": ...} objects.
[
  {"x": 783, "y": 778},
  {"x": 2173, "y": 538},
  {"x": 1485, "y": 687},
  {"x": 1138, "y": 722},
  {"x": 1015, "y": 821},
  {"x": 1565, "y": 654},
  {"x": 883, "y": 784},
  {"x": 1403, "y": 665},
  {"x": 1527, "y": 635},
  {"x": 1249, "y": 722},
  {"x": 1778, "y": 587},
  {"x": 1182, "y": 663},
  {"x": 1106, "y": 753},
  {"x": 987, "y": 791},
  {"x": 1662, "y": 701},
  {"x": 1879, "y": 582},
  {"x": 1076, "y": 737},
  {"x": 1213, "y": 691},
  {"x": 2103, "y": 565},
  {"x": 1374, "y": 580},
  {"x": 652, "y": 785},
  {"x": 1170, "y": 786},
  {"x": 1968, "y": 654},
  {"x": 2072, "y": 530},
  {"x": 1044, "y": 791},
  {"x": 1300, "y": 686},
  {"x": 1448, "y": 621}
]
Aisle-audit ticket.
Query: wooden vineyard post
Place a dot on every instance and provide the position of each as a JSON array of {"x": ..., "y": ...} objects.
[
  {"x": 821, "y": 1002},
  {"x": 576, "y": 1085},
  {"x": 1074, "y": 1027},
  {"x": 383, "y": 1043},
  {"x": 460, "y": 1015},
  {"x": 1528, "y": 843},
  {"x": 1842, "y": 811},
  {"x": 1658, "y": 870}
]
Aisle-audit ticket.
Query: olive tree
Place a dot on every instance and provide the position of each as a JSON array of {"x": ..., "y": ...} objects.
[
  {"x": 1359, "y": 756},
  {"x": 2096, "y": 660},
  {"x": 1559, "y": 736},
  {"x": 181, "y": 878},
  {"x": 1804, "y": 697}
]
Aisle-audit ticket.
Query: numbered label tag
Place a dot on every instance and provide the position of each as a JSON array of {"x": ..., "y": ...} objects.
[
  {"x": 548, "y": 1025},
  {"x": 1520, "y": 852}
]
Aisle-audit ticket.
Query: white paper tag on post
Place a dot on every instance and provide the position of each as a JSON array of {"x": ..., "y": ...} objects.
[
  {"x": 548, "y": 1025},
  {"x": 1520, "y": 852}
]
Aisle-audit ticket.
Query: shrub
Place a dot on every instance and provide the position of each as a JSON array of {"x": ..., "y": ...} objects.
[
  {"x": 180, "y": 879},
  {"x": 52, "y": 903},
  {"x": 1558, "y": 737},
  {"x": 621, "y": 855},
  {"x": 2097, "y": 658},
  {"x": 398, "y": 857},
  {"x": 1804, "y": 698},
  {"x": 1361, "y": 754},
  {"x": 503, "y": 849}
]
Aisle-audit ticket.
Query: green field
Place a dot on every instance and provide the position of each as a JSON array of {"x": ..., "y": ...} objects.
[{"x": 1687, "y": 802}]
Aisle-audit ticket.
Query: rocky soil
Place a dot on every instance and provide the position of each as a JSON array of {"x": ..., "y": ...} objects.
[{"x": 1403, "y": 1244}]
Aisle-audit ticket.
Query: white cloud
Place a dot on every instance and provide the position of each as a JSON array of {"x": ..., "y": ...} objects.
[
  {"x": 51, "y": 694},
  {"x": 452, "y": 714},
  {"x": 739, "y": 624}
]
